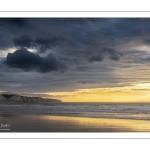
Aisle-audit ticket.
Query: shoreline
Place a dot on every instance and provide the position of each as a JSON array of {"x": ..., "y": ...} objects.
[
  {"x": 70, "y": 117},
  {"x": 74, "y": 116},
  {"x": 76, "y": 110},
  {"x": 50, "y": 123}
]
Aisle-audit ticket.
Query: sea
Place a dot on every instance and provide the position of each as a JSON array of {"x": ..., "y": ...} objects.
[{"x": 75, "y": 117}]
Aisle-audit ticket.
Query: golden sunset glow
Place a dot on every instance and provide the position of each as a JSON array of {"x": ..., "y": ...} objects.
[
  {"x": 138, "y": 92},
  {"x": 98, "y": 124}
]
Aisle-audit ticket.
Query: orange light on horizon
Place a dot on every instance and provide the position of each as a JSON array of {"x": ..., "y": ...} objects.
[{"x": 134, "y": 93}]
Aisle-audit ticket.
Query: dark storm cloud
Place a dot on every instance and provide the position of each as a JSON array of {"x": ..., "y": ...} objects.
[
  {"x": 23, "y": 41},
  {"x": 82, "y": 39},
  {"x": 5, "y": 39},
  {"x": 119, "y": 46},
  {"x": 41, "y": 43},
  {"x": 45, "y": 26},
  {"x": 20, "y": 22},
  {"x": 45, "y": 43},
  {"x": 113, "y": 55},
  {"x": 80, "y": 21},
  {"x": 49, "y": 40},
  {"x": 96, "y": 57},
  {"x": 29, "y": 61},
  {"x": 75, "y": 35}
]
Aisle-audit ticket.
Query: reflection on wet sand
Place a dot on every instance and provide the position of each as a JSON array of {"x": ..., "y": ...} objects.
[{"x": 44, "y": 123}]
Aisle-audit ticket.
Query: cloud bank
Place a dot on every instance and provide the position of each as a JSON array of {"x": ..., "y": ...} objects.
[
  {"x": 29, "y": 61},
  {"x": 70, "y": 53}
]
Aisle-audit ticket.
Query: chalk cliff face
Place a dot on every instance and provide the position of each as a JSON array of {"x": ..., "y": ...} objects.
[
  {"x": 19, "y": 98},
  {"x": 15, "y": 98},
  {"x": 31, "y": 99},
  {"x": 2, "y": 98}
]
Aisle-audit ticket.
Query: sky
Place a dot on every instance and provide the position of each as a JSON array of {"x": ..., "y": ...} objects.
[{"x": 76, "y": 59}]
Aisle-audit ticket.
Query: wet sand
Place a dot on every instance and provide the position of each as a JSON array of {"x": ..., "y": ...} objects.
[
  {"x": 48, "y": 123},
  {"x": 74, "y": 117}
]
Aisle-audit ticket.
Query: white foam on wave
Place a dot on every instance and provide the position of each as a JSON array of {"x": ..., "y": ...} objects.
[{"x": 120, "y": 111}]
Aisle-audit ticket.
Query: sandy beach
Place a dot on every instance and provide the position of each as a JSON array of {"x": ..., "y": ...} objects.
[
  {"x": 48, "y": 123},
  {"x": 68, "y": 117}
]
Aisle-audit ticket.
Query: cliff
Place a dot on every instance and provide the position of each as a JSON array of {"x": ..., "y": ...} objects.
[
  {"x": 51, "y": 100},
  {"x": 2, "y": 98},
  {"x": 19, "y": 98}
]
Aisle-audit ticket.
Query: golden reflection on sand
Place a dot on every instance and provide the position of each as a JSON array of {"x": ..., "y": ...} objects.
[
  {"x": 104, "y": 124},
  {"x": 48, "y": 123}
]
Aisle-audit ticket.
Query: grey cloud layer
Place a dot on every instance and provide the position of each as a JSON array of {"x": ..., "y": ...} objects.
[
  {"x": 104, "y": 51},
  {"x": 113, "y": 55},
  {"x": 28, "y": 61},
  {"x": 81, "y": 39},
  {"x": 41, "y": 43},
  {"x": 74, "y": 37}
]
